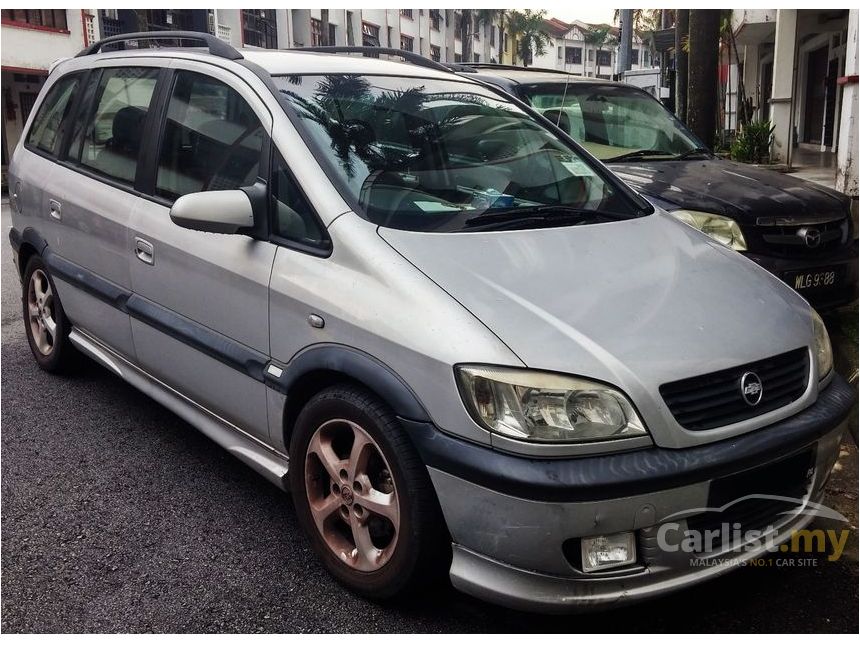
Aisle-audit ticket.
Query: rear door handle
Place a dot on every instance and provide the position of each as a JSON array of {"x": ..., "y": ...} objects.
[
  {"x": 56, "y": 209},
  {"x": 144, "y": 250}
]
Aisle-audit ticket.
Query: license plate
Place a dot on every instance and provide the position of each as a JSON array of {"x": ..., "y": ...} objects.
[{"x": 814, "y": 279}]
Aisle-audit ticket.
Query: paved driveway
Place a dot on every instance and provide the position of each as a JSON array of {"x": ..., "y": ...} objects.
[{"x": 118, "y": 516}]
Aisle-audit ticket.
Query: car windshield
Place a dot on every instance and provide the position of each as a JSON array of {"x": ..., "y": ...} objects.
[
  {"x": 440, "y": 155},
  {"x": 614, "y": 122}
]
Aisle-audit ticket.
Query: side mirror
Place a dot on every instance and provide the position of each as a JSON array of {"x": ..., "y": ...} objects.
[{"x": 214, "y": 211}]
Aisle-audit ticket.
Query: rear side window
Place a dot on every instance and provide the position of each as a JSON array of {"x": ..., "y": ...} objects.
[
  {"x": 112, "y": 139},
  {"x": 45, "y": 132},
  {"x": 212, "y": 139}
]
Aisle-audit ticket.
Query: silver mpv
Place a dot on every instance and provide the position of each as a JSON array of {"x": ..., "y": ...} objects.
[{"x": 461, "y": 343}]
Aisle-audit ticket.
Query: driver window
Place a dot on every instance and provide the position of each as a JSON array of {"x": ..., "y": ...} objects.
[{"x": 212, "y": 139}]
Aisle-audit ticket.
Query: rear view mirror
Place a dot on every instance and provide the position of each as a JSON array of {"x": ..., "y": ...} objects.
[{"x": 214, "y": 211}]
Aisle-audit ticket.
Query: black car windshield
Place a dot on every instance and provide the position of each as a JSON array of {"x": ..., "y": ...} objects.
[
  {"x": 440, "y": 155},
  {"x": 614, "y": 122}
]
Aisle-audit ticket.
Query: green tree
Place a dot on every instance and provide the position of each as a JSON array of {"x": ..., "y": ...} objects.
[
  {"x": 599, "y": 37},
  {"x": 527, "y": 29}
]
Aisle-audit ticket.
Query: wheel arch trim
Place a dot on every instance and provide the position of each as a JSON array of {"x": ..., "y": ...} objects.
[{"x": 353, "y": 364}]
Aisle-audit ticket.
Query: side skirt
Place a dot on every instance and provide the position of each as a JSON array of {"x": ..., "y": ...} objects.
[{"x": 267, "y": 462}]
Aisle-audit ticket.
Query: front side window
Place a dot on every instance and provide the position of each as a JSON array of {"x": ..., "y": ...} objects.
[
  {"x": 440, "y": 155},
  {"x": 294, "y": 218},
  {"x": 44, "y": 134},
  {"x": 212, "y": 138},
  {"x": 115, "y": 130},
  {"x": 613, "y": 121}
]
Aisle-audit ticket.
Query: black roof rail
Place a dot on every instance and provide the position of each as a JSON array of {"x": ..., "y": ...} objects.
[
  {"x": 411, "y": 57},
  {"x": 461, "y": 67},
  {"x": 217, "y": 47},
  {"x": 480, "y": 66}
]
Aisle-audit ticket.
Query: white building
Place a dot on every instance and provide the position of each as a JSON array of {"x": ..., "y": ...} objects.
[
  {"x": 32, "y": 40},
  {"x": 799, "y": 70},
  {"x": 570, "y": 50}
]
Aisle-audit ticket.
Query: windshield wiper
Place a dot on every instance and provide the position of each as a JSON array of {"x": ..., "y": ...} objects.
[
  {"x": 638, "y": 154},
  {"x": 693, "y": 151},
  {"x": 540, "y": 216}
]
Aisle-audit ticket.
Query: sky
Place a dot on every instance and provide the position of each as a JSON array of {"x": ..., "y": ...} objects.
[{"x": 570, "y": 12}]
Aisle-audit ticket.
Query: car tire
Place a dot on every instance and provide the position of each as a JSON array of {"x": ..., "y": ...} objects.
[
  {"x": 364, "y": 497},
  {"x": 45, "y": 321}
]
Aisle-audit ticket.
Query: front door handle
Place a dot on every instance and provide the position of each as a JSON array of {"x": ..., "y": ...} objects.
[
  {"x": 56, "y": 209},
  {"x": 144, "y": 251}
]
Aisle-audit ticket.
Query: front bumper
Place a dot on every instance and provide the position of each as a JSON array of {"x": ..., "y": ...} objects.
[
  {"x": 510, "y": 516},
  {"x": 823, "y": 298}
]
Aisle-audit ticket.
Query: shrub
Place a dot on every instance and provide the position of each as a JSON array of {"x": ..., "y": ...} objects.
[{"x": 752, "y": 143}]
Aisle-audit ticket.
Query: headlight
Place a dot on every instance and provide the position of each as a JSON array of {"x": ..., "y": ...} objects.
[
  {"x": 823, "y": 351},
  {"x": 538, "y": 406},
  {"x": 724, "y": 230}
]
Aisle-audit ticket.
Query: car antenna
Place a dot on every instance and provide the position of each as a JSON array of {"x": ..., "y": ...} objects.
[{"x": 563, "y": 96}]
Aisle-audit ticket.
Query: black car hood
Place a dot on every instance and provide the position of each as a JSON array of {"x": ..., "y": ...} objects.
[{"x": 724, "y": 187}]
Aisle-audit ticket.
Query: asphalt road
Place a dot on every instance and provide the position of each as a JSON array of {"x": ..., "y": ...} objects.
[{"x": 118, "y": 516}]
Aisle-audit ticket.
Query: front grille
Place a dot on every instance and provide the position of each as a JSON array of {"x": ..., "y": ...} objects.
[
  {"x": 766, "y": 495},
  {"x": 715, "y": 400},
  {"x": 789, "y": 241}
]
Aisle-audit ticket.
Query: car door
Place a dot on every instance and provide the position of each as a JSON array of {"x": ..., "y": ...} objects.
[
  {"x": 200, "y": 303},
  {"x": 91, "y": 194}
]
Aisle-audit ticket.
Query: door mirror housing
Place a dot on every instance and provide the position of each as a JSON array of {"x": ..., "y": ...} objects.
[{"x": 214, "y": 211}]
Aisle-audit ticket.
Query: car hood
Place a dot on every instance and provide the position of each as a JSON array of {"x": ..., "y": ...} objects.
[
  {"x": 634, "y": 303},
  {"x": 728, "y": 188}
]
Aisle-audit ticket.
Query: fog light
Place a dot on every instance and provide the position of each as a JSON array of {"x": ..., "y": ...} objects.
[{"x": 608, "y": 551}]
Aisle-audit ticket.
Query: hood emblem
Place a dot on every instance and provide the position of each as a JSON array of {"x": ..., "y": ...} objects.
[
  {"x": 811, "y": 236},
  {"x": 751, "y": 388}
]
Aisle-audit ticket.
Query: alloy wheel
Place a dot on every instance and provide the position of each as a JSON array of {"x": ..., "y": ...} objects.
[
  {"x": 40, "y": 308},
  {"x": 352, "y": 495}
]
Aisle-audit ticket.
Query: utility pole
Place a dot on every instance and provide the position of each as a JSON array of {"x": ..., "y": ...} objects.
[
  {"x": 682, "y": 29},
  {"x": 626, "y": 46},
  {"x": 702, "y": 75}
]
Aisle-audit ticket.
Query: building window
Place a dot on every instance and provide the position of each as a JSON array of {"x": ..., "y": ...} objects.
[
  {"x": 47, "y": 18},
  {"x": 435, "y": 19},
  {"x": 332, "y": 33},
  {"x": 590, "y": 55},
  {"x": 350, "y": 37},
  {"x": 369, "y": 35},
  {"x": 505, "y": 41},
  {"x": 316, "y": 32},
  {"x": 435, "y": 53},
  {"x": 634, "y": 57},
  {"x": 259, "y": 28},
  {"x": 477, "y": 58},
  {"x": 604, "y": 57},
  {"x": 458, "y": 58},
  {"x": 406, "y": 43},
  {"x": 559, "y": 52},
  {"x": 406, "y": 13},
  {"x": 573, "y": 55},
  {"x": 492, "y": 36},
  {"x": 458, "y": 26}
]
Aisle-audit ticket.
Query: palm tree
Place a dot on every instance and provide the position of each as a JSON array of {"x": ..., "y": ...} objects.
[
  {"x": 528, "y": 27},
  {"x": 702, "y": 73},
  {"x": 643, "y": 19},
  {"x": 599, "y": 37},
  {"x": 471, "y": 20}
]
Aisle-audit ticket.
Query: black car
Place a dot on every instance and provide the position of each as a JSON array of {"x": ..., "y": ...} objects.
[{"x": 798, "y": 230}]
